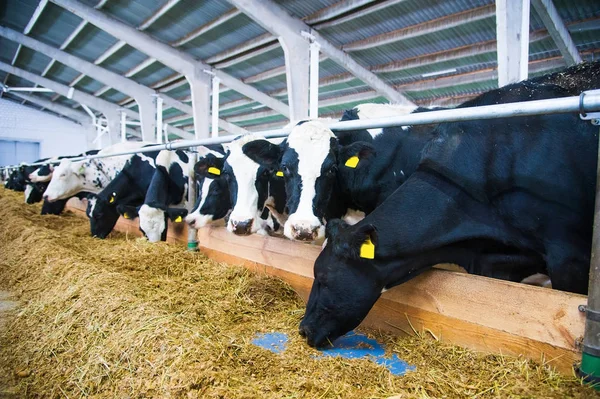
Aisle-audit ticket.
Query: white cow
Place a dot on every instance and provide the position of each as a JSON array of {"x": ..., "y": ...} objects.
[{"x": 70, "y": 178}]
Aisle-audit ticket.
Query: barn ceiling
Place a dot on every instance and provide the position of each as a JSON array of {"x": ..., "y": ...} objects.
[{"x": 433, "y": 51}]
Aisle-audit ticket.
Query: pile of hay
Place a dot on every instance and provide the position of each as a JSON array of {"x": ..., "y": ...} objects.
[{"x": 125, "y": 318}]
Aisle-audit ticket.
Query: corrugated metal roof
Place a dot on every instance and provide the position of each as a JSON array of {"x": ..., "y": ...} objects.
[{"x": 55, "y": 25}]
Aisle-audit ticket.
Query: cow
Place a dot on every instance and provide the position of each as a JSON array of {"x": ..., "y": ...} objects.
[
  {"x": 500, "y": 186},
  {"x": 168, "y": 187},
  {"x": 251, "y": 187},
  {"x": 43, "y": 174},
  {"x": 92, "y": 175},
  {"x": 328, "y": 175},
  {"x": 213, "y": 202},
  {"x": 127, "y": 188}
]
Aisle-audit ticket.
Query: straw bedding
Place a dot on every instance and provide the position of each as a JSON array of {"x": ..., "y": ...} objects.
[{"x": 125, "y": 318}]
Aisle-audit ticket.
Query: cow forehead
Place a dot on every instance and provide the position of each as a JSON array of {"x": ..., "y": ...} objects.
[{"x": 312, "y": 143}]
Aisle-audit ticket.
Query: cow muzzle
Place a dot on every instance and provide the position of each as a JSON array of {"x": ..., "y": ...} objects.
[{"x": 241, "y": 228}]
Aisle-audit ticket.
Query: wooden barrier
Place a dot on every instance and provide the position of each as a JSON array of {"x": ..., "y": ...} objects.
[{"x": 471, "y": 311}]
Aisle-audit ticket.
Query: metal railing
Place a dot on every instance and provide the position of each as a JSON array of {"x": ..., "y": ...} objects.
[{"x": 585, "y": 103}]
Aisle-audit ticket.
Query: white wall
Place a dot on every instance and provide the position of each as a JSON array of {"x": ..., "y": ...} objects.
[{"x": 57, "y": 136}]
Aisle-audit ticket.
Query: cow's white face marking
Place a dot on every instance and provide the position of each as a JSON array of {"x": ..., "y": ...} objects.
[
  {"x": 28, "y": 190},
  {"x": 353, "y": 216},
  {"x": 383, "y": 290},
  {"x": 200, "y": 220},
  {"x": 374, "y": 111},
  {"x": 312, "y": 143},
  {"x": 152, "y": 222},
  {"x": 36, "y": 178},
  {"x": 92, "y": 202},
  {"x": 244, "y": 171},
  {"x": 67, "y": 180}
]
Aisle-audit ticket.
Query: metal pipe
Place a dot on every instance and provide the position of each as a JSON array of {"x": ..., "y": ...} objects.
[
  {"x": 313, "y": 110},
  {"x": 192, "y": 232},
  {"x": 123, "y": 127},
  {"x": 31, "y": 89},
  {"x": 215, "y": 106},
  {"x": 588, "y": 102},
  {"x": 159, "y": 119},
  {"x": 590, "y": 358}
]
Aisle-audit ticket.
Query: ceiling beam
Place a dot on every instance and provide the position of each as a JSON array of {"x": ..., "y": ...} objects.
[
  {"x": 377, "y": 6},
  {"x": 557, "y": 29},
  {"x": 159, "y": 13},
  {"x": 277, "y": 21},
  {"x": 425, "y": 28},
  {"x": 175, "y": 59},
  {"x": 206, "y": 27},
  {"x": 242, "y": 48},
  {"x": 335, "y": 10}
]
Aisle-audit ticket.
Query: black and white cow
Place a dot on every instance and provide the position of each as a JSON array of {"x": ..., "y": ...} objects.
[
  {"x": 129, "y": 187},
  {"x": 166, "y": 197},
  {"x": 251, "y": 188},
  {"x": 43, "y": 174},
  {"x": 214, "y": 202},
  {"x": 329, "y": 175},
  {"x": 70, "y": 178},
  {"x": 501, "y": 186}
]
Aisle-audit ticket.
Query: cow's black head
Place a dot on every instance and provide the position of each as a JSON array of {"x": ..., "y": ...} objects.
[
  {"x": 347, "y": 283},
  {"x": 103, "y": 216},
  {"x": 213, "y": 201}
]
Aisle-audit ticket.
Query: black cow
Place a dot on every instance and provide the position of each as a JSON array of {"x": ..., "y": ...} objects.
[{"x": 513, "y": 185}]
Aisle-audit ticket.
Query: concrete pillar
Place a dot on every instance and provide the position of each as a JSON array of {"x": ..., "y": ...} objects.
[
  {"x": 512, "y": 31},
  {"x": 297, "y": 65},
  {"x": 200, "y": 84},
  {"x": 147, "y": 111}
]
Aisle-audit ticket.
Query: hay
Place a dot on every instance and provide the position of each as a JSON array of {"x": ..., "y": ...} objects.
[{"x": 126, "y": 318}]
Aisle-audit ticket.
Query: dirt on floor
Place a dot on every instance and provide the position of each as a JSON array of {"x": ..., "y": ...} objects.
[{"x": 122, "y": 317}]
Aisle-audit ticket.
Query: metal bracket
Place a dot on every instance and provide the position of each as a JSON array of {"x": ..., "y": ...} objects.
[
  {"x": 592, "y": 315},
  {"x": 594, "y": 117}
]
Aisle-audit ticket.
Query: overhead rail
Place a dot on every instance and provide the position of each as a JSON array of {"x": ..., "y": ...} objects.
[{"x": 584, "y": 104}]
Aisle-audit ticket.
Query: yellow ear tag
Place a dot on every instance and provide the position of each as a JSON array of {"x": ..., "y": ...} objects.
[
  {"x": 279, "y": 173},
  {"x": 367, "y": 249},
  {"x": 112, "y": 199},
  {"x": 178, "y": 219},
  {"x": 352, "y": 162},
  {"x": 126, "y": 215},
  {"x": 214, "y": 171}
]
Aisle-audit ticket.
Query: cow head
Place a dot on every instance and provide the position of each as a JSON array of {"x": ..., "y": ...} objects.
[
  {"x": 309, "y": 161},
  {"x": 42, "y": 174},
  {"x": 213, "y": 201},
  {"x": 346, "y": 286},
  {"x": 153, "y": 221},
  {"x": 102, "y": 215},
  {"x": 248, "y": 184},
  {"x": 67, "y": 179},
  {"x": 33, "y": 193}
]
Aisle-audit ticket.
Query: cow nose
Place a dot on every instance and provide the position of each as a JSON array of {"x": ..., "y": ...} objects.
[
  {"x": 303, "y": 331},
  {"x": 242, "y": 228},
  {"x": 45, "y": 197},
  {"x": 303, "y": 233},
  {"x": 191, "y": 222}
]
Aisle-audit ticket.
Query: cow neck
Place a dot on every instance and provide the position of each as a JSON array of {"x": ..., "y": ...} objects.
[{"x": 428, "y": 212}]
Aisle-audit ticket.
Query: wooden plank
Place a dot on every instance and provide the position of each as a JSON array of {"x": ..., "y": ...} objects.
[{"x": 472, "y": 311}]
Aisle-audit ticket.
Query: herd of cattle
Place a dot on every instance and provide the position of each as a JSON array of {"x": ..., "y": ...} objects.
[{"x": 506, "y": 198}]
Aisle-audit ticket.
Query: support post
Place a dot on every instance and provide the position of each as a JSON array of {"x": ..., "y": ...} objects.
[
  {"x": 147, "y": 112},
  {"x": 123, "y": 127},
  {"x": 512, "y": 31},
  {"x": 297, "y": 53},
  {"x": 192, "y": 233},
  {"x": 314, "y": 80},
  {"x": 200, "y": 90},
  {"x": 159, "y": 119},
  {"x": 590, "y": 359},
  {"x": 215, "y": 107}
]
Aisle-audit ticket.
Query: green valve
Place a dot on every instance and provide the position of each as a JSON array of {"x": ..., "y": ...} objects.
[
  {"x": 192, "y": 246},
  {"x": 590, "y": 369}
]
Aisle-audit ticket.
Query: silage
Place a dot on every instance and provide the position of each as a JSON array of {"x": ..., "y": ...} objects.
[{"x": 125, "y": 318}]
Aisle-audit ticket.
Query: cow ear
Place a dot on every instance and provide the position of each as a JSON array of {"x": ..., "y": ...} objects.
[
  {"x": 353, "y": 154},
  {"x": 209, "y": 166},
  {"x": 263, "y": 152},
  {"x": 176, "y": 215},
  {"x": 356, "y": 242},
  {"x": 128, "y": 211},
  {"x": 334, "y": 227}
]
